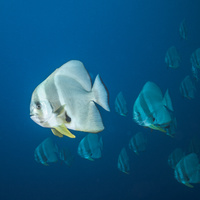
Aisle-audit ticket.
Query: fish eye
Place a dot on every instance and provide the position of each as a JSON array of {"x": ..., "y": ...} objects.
[{"x": 38, "y": 105}]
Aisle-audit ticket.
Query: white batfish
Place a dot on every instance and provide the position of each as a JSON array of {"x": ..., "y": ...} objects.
[{"x": 66, "y": 100}]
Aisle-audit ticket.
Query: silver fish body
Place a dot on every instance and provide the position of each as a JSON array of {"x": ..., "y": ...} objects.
[
  {"x": 90, "y": 147},
  {"x": 151, "y": 109},
  {"x": 66, "y": 100},
  {"x": 187, "y": 170},
  {"x": 46, "y": 152}
]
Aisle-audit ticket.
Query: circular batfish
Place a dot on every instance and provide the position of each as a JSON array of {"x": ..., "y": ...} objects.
[{"x": 65, "y": 100}]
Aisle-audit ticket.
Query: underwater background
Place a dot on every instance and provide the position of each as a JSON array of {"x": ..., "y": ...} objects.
[{"x": 123, "y": 41}]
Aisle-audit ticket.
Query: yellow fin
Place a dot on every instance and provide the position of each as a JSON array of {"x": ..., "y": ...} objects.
[
  {"x": 45, "y": 164},
  {"x": 157, "y": 128},
  {"x": 189, "y": 185},
  {"x": 90, "y": 159},
  {"x": 60, "y": 110},
  {"x": 64, "y": 131},
  {"x": 55, "y": 132}
]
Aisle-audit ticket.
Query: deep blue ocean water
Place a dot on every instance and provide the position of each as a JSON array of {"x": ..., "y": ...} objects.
[{"x": 123, "y": 41}]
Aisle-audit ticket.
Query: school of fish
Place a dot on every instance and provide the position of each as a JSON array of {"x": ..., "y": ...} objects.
[{"x": 66, "y": 102}]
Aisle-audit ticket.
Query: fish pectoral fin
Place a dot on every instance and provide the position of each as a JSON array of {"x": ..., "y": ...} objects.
[
  {"x": 57, "y": 133},
  {"x": 188, "y": 185},
  {"x": 64, "y": 131},
  {"x": 60, "y": 110}
]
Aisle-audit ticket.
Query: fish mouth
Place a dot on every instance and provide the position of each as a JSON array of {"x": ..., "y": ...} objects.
[
  {"x": 38, "y": 120},
  {"x": 35, "y": 119}
]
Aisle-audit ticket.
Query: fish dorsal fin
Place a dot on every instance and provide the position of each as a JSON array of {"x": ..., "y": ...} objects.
[
  {"x": 188, "y": 185},
  {"x": 75, "y": 69},
  {"x": 55, "y": 132},
  {"x": 167, "y": 101},
  {"x": 64, "y": 131}
]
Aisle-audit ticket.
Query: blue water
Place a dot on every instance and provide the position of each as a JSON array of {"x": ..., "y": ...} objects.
[{"x": 125, "y": 42}]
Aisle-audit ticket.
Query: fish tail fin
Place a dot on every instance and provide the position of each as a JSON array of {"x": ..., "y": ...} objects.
[{"x": 100, "y": 93}]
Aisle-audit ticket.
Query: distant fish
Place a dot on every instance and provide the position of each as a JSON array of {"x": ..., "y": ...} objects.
[
  {"x": 90, "y": 147},
  {"x": 188, "y": 88},
  {"x": 175, "y": 157},
  {"x": 138, "y": 142},
  {"x": 120, "y": 105},
  {"x": 66, "y": 156},
  {"x": 195, "y": 58},
  {"x": 172, "y": 58},
  {"x": 183, "y": 30},
  {"x": 123, "y": 162},
  {"x": 46, "y": 152},
  {"x": 171, "y": 129},
  {"x": 195, "y": 73},
  {"x": 187, "y": 170},
  {"x": 151, "y": 109},
  {"x": 66, "y": 99},
  {"x": 194, "y": 145}
]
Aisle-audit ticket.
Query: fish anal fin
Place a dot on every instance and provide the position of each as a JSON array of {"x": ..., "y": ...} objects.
[
  {"x": 57, "y": 133},
  {"x": 64, "y": 131},
  {"x": 157, "y": 128},
  {"x": 90, "y": 159},
  {"x": 188, "y": 185},
  {"x": 45, "y": 164}
]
